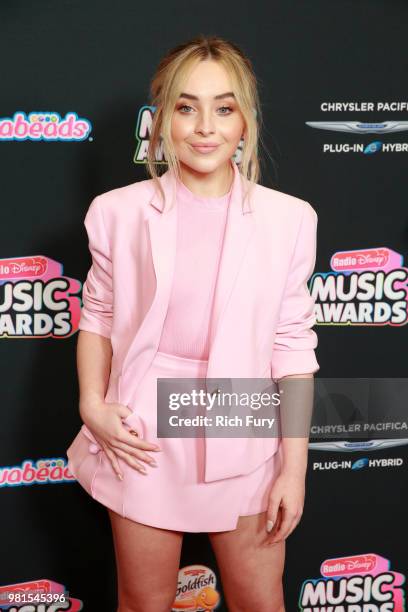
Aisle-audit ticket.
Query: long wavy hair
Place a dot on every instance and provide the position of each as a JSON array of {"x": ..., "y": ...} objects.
[{"x": 167, "y": 84}]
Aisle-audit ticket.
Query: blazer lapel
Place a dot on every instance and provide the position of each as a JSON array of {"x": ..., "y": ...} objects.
[
  {"x": 162, "y": 229},
  {"x": 238, "y": 230},
  {"x": 163, "y": 233}
]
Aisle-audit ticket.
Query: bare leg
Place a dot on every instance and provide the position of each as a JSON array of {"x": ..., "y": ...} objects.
[
  {"x": 251, "y": 569},
  {"x": 147, "y": 561}
]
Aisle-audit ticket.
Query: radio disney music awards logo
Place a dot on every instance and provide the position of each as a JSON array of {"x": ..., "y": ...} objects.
[
  {"x": 196, "y": 590},
  {"x": 41, "y": 595},
  {"x": 359, "y": 583},
  {"x": 364, "y": 287},
  {"x": 44, "y": 126},
  {"x": 142, "y": 132},
  {"x": 37, "y": 299},
  {"x": 356, "y": 128}
]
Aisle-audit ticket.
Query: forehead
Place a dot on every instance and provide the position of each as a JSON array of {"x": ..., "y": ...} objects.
[{"x": 208, "y": 79}]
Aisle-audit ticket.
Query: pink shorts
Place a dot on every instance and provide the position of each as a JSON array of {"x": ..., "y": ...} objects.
[{"x": 172, "y": 495}]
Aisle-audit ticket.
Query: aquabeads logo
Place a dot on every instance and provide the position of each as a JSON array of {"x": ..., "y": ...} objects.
[
  {"x": 142, "y": 133},
  {"x": 196, "y": 589},
  {"x": 36, "y": 299},
  {"x": 43, "y": 471},
  {"x": 364, "y": 287},
  {"x": 49, "y": 126},
  {"x": 359, "y": 583}
]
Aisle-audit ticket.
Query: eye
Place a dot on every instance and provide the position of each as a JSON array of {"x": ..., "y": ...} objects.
[
  {"x": 228, "y": 108},
  {"x": 183, "y": 106}
]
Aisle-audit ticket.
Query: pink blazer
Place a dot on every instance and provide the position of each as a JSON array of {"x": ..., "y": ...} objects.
[{"x": 263, "y": 311}]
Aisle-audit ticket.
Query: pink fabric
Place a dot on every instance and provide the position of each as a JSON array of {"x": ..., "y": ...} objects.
[
  {"x": 200, "y": 230},
  {"x": 262, "y": 315}
]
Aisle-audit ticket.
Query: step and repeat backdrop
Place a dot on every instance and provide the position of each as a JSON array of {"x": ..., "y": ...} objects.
[{"x": 74, "y": 123}]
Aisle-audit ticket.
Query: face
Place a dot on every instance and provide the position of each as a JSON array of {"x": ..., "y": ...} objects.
[{"x": 206, "y": 114}]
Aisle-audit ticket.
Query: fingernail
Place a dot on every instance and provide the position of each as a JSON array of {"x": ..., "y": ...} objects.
[
  {"x": 119, "y": 475},
  {"x": 153, "y": 463},
  {"x": 157, "y": 448},
  {"x": 269, "y": 525}
]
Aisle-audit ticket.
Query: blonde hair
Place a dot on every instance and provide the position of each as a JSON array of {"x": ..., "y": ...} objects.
[{"x": 166, "y": 86}]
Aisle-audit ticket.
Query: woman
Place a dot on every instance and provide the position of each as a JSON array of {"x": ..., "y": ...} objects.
[{"x": 198, "y": 274}]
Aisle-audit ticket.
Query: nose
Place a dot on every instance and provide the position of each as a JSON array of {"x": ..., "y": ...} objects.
[{"x": 205, "y": 123}]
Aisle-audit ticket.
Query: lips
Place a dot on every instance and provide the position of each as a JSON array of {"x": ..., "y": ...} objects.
[{"x": 205, "y": 148}]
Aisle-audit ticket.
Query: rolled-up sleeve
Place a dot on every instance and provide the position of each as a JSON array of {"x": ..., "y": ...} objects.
[
  {"x": 295, "y": 341},
  {"x": 96, "y": 313}
]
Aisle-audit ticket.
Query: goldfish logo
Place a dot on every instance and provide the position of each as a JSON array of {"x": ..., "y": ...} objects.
[
  {"x": 36, "y": 300},
  {"x": 196, "y": 590},
  {"x": 364, "y": 287}
]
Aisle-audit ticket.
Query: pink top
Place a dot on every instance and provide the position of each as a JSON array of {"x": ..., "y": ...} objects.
[{"x": 200, "y": 232}]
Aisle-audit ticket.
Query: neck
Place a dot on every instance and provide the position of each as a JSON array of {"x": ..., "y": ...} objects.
[{"x": 213, "y": 184}]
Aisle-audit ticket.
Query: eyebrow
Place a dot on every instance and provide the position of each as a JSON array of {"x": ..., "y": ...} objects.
[{"x": 228, "y": 94}]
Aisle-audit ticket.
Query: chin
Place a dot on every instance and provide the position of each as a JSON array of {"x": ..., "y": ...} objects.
[{"x": 203, "y": 165}]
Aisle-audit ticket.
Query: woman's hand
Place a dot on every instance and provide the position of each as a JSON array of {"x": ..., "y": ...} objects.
[
  {"x": 286, "y": 502},
  {"x": 104, "y": 420}
]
